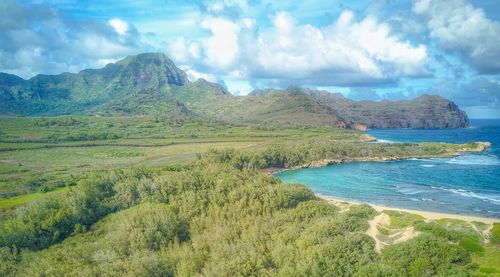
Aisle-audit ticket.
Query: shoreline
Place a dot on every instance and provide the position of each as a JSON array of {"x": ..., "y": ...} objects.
[
  {"x": 430, "y": 215},
  {"x": 481, "y": 146},
  {"x": 426, "y": 214}
]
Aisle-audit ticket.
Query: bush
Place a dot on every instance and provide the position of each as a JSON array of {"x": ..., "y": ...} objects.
[
  {"x": 145, "y": 227},
  {"x": 495, "y": 233},
  {"x": 470, "y": 244},
  {"x": 424, "y": 255}
]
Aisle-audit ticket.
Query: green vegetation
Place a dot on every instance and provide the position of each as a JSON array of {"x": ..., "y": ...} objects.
[
  {"x": 487, "y": 261},
  {"x": 209, "y": 219},
  {"x": 495, "y": 234},
  {"x": 403, "y": 219},
  {"x": 188, "y": 198},
  {"x": 7, "y": 203},
  {"x": 27, "y": 143}
]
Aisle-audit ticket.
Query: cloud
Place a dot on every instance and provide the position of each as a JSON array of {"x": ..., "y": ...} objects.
[
  {"x": 39, "y": 39},
  {"x": 194, "y": 75},
  {"x": 221, "y": 49},
  {"x": 473, "y": 94},
  {"x": 480, "y": 91},
  {"x": 225, "y": 8},
  {"x": 347, "y": 52},
  {"x": 460, "y": 27},
  {"x": 120, "y": 26}
]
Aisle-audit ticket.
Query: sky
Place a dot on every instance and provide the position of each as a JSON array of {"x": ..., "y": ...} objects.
[{"x": 374, "y": 50}]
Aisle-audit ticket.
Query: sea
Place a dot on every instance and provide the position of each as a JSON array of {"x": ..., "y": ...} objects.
[{"x": 468, "y": 184}]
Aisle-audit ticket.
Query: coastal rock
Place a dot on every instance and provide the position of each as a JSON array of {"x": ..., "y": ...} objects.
[
  {"x": 424, "y": 112},
  {"x": 360, "y": 127},
  {"x": 478, "y": 146}
]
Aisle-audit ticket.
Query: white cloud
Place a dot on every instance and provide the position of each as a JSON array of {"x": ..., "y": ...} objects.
[
  {"x": 222, "y": 47},
  {"x": 421, "y": 6},
  {"x": 44, "y": 41},
  {"x": 363, "y": 47},
  {"x": 220, "y": 6},
  {"x": 179, "y": 50},
  {"x": 104, "y": 62},
  {"x": 120, "y": 26},
  {"x": 194, "y": 75},
  {"x": 348, "y": 51},
  {"x": 458, "y": 26},
  {"x": 238, "y": 87}
]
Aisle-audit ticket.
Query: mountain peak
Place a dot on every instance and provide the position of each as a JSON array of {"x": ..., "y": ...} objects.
[
  {"x": 430, "y": 97},
  {"x": 205, "y": 86},
  {"x": 152, "y": 57},
  {"x": 153, "y": 67}
]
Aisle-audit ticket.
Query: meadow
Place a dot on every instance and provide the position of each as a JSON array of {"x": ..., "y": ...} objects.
[{"x": 44, "y": 153}]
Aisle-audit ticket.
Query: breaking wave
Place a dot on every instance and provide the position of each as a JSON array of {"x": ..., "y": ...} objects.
[
  {"x": 474, "y": 160},
  {"x": 471, "y": 194}
]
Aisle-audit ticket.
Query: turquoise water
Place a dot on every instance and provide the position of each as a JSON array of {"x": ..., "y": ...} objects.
[{"x": 469, "y": 184}]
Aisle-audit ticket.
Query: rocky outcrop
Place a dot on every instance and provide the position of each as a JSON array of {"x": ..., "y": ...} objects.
[
  {"x": 478, "y": 146},
  {"x": 359, "y": 127},
  {"x": 424, "y": 112}
]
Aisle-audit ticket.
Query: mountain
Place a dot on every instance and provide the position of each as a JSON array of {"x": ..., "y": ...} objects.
[
  {"x": 287, "y": 109},
  {"x": 151, "y": 83},
  {"x": 143, "y": 78},
  {"x": 425, "y": 112}
]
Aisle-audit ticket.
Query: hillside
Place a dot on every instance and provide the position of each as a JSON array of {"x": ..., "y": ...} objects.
[
  {"x": 150, "y": 83},
  {"x": 426, "y": 111}
]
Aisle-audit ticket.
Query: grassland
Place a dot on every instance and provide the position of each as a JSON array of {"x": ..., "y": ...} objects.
[{"x": 39, "y": 153}]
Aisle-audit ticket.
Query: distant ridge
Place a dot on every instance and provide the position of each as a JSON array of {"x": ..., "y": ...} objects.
[
  {"x": 151, "y": 83},
  {"x": 425, "y": 111}
]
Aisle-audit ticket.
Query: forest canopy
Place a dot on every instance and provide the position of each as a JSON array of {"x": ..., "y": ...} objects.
[{"x": 209, "y": 218}]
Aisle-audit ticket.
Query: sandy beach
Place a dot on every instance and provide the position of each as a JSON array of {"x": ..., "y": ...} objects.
[{"x": 426, "y": 214}]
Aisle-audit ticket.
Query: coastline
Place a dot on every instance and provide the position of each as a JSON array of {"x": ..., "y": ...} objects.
[
  {"x": 481, "y": 146},
  {"x": 426, "y": 214},
  {"x": 430, "y": 215}
]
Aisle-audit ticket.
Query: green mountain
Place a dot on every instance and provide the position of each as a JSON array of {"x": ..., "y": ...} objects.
[
  {"x": 151, "y": 83},
  {"x": 426, "y": 111},
  {"x": 143, "y": 79}
]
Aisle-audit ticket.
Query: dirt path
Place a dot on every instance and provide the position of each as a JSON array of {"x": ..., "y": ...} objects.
[
  {"x": 484, "y": 233},
  {"x": 396, "y": 235},
  {"x": 379, "y": 220},
  {"x": 407, "y": 234}
]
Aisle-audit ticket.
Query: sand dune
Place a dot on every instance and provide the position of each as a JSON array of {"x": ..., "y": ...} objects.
[{"x": 426, "y": 214}]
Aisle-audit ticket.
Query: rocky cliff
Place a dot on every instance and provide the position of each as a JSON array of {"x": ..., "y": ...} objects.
[{"x": 427, "y": 112}]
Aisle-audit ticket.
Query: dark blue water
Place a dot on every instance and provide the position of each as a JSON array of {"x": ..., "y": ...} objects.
[{"x": 468, "y": 184}]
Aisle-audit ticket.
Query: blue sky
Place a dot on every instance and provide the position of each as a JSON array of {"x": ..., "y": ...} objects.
[{"x": 386, "y": 49}]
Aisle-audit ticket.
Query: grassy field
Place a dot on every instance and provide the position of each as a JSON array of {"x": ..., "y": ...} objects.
[{"x": 49, "y": 152}]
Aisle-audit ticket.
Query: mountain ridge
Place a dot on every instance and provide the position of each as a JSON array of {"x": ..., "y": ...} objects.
[{"x": 152, "y": 83}]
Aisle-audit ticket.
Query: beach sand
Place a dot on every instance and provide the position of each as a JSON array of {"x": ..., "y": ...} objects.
[{"x": 425, "y": 214}]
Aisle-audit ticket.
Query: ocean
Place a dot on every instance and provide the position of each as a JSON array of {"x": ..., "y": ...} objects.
[{"x": 468, "y": 184}]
